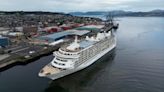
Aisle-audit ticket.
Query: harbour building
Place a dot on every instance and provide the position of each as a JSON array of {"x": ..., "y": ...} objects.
[{"x": 4, "y": 41}]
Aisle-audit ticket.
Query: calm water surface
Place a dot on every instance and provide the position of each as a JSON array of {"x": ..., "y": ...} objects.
[{"x": 136, "y": 65}]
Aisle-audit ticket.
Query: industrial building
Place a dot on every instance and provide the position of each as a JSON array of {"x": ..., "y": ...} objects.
[
  {"x": 90, "y": 27},
  {"x": 30, "y": 30},
  {"x": 4, "y": 41},
  {"x": 63, "y": 34},
  {"x": 51, "y": 29}
]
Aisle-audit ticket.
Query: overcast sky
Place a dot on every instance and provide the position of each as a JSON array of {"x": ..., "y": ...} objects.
[{"x": 80, "y": 5}]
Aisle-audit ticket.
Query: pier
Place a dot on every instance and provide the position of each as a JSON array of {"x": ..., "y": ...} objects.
[{"x": 14, "y": 58}]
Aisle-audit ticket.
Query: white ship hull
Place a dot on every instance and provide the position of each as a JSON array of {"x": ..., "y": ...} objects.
[{"x": 84, "y": 65}]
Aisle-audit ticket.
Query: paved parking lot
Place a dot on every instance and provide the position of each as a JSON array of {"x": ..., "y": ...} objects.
[
  {"x": 23, "y": 49},
  {"x": 26, "y": 50}
]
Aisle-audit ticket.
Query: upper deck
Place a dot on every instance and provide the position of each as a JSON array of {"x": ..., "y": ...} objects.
[
  {"x": 82, "y": 45},
  {"x": 85, "y": 44},
  {"x": 76, "y": 46}
]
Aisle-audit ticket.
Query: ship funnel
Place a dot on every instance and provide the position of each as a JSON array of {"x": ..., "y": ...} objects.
[
  {"x": 87, "y": 38},
  {"x": 76, "y": 39}
]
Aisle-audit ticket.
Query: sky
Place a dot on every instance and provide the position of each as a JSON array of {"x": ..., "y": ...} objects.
[{"x": 80, "y": 5}]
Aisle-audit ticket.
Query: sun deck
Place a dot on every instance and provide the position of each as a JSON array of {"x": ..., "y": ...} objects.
[
  {"x": 64, "y": 48},
  {"x": 49, "y": 69},
  {"x": 83, "y": 44}
]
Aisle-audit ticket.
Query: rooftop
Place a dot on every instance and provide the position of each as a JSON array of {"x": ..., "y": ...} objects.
[
  {"x": 91, "y": 27},
  {"x": 62, "y": 34}
]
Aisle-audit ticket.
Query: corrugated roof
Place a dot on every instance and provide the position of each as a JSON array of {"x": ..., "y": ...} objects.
[
  {"x": 1, "y": 37},
  {"x": 94, "y": 26},
  {"x": 90, "y": 27},
  {"x": 63, "y": 34}
]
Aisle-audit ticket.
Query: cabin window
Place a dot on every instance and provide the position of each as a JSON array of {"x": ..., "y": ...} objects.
[
  {"x": 61, "y": 60},
  {"x": 59, "y": 63}
]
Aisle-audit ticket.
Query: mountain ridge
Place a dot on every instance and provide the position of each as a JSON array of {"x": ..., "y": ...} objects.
[{"x": 122, "y": 13}]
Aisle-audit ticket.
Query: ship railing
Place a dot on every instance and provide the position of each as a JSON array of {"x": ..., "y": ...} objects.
[
  {"x": 64, "y": 48},
  {"x": 64, "y": 51},
  {"x": 56, "y": 53}
]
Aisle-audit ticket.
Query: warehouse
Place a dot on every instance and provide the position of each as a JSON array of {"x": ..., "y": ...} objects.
[
  {"x": 63, "y": 34},
  {"x": 91, "y": 27},
  {"x": 4, "y": 41}
]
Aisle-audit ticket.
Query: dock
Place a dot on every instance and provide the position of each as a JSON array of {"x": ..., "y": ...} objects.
[{"x": 7, "y": 60}]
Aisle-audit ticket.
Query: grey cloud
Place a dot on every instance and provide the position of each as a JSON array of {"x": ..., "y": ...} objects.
[{"x": 80, "y": 5}]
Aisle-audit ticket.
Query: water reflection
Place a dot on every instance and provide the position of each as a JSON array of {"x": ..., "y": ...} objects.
[
  {"x": 18, "y": 63},
  {"x": 81, "y": 80}
]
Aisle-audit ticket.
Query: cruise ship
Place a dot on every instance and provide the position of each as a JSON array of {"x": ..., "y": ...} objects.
[{"x": 79, "y": 54}]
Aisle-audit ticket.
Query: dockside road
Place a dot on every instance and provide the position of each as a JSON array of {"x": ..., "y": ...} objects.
[{"x": 21, "y": 56}]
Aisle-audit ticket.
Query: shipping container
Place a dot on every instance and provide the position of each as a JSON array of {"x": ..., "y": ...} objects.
[
  {"x": 52, "y": 30},
  {"x": 66, "y": 27}
]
